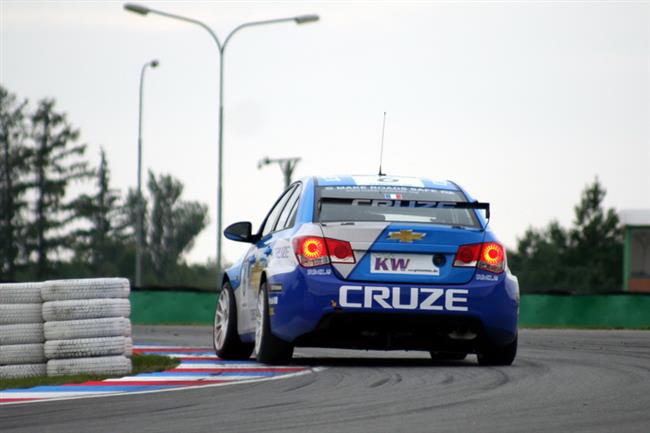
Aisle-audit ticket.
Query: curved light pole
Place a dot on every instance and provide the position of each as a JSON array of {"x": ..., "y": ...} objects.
[
  {"x": 301, "y": 19},
  {"x": 139, "y": 206}
]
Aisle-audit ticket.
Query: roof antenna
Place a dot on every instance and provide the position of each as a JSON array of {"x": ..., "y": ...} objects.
[{"x": 381, "y": 152}]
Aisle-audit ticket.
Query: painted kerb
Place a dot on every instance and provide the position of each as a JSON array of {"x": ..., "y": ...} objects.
[{"x": 615, "y": 311}]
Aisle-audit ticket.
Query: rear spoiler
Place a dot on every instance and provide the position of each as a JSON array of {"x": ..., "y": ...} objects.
[{"x": 467, "y": 205}]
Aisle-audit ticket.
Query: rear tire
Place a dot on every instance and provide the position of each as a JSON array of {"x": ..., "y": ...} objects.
[
  {"x": 269, "y": 349},
  {"x": 447, "y": 356},
  {"x": 503, "y": 355},
  {"x": 227, "y": 344}
]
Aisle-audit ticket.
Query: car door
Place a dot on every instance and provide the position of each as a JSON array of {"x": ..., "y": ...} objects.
[{"x": 255, "y": 262}]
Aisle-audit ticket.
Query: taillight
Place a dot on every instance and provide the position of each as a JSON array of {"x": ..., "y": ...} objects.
[
  {"x": 489, "y": 256},
  {"x": 316, "y": 251},
  {"x": 340, "y": 251},
  {"x": 493, "y": 257},
  {"x": 467, "y": 255}
]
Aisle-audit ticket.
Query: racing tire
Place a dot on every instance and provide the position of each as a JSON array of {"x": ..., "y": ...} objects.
[
  {"x": 225, "y": 338},
  {"x": 269, "y": 349},
  {"x": 22, "y": 370},
  {"x": 25, "y": 333},
  {"x": 499, "y": 355},
  {"x": 91, "y": 288},
  {"x": 85, "y": 347},
  {"x": 447, "y": 356},
  {"x": 21, "y": 354},
  {"x": 85, "y": 309},
  {"x": 13, "y": 314},
  {"x": 104, "y": 365},
  {"x": 20, "y": 293},
  {"x": 87, "y": 328},
  {"x": 128, "y": 348}
]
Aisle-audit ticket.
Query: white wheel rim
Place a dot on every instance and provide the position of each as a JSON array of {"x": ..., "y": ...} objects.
[
  {"x": 221, "y": 319},
  {"x": 259, "y": 321}
]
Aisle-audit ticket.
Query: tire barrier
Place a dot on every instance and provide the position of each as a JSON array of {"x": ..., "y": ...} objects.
[
  {"x": 23, "y": 333},
  {"x": 65, "y": 327},
  {"x": 86, "y": 326},
  {"x": 104, "y": 365},
  {"x": 21, "y": 330},
  {"x": 85, "y": 309},
  {"x": 85, "y": 347}
]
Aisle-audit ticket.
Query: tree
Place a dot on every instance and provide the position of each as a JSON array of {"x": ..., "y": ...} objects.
[
  {"x": 57, "y": 163},
  {"x": 14, "y": 168},
  {"x": 173, "y": 224},
  {"x": 586, "y": 258},
  {"x": 102, "y": 241}
]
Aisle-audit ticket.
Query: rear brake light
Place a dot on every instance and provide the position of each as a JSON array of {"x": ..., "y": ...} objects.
[
  {"x": 316, "y": 251},
  {"x": 493, "y": 257},
  {"x": 310, "y": 251},
  {"x": 488, "y": 256}
]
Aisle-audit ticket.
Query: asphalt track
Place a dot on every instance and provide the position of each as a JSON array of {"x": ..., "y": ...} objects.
[{"x": 562, "y": 381}]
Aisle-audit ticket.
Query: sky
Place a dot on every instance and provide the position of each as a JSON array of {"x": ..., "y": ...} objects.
[{"x": 521, "y": 103}]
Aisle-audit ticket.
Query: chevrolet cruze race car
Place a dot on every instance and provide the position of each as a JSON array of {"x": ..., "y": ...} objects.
[{"x": 370, "y": 262}]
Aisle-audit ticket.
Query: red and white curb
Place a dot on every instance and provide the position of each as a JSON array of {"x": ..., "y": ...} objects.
[{"x": 199, "y": 367}]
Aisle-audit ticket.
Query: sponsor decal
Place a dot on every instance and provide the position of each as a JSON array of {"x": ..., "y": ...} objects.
[
  {"x": 393, "y": 203},
  {"x": 391, "y": 264},
  {"x": 281, "y": 252},
  {"x": 406, "y": 236},
  {"x": 487, "y": 277},
  {"x": 319, "y": 271},
  {"x": 400, "y": 298},
  {"x": 412, "y": 264}
]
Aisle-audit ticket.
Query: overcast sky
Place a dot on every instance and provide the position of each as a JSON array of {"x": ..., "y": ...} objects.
[{"x": 521, "y": 103}]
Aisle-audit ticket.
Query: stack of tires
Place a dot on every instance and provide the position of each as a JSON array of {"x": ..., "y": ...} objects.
[
  {"x": 21, "y": 331},
  {"x": 87, "y": 329}
]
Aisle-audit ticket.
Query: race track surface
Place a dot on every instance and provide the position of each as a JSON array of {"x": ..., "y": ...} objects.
[{"x": 562, "y": 381}]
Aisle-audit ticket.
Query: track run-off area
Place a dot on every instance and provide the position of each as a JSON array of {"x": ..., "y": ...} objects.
[{"x": 562, "y": 380}]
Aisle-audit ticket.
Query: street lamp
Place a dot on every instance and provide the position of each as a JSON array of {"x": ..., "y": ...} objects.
[
  {"x": 301, "y": 19},
  {"x": 139, "y": 205}
]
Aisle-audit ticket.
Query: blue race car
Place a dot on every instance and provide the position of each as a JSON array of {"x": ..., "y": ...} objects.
[{"x": 370, "y": 262}]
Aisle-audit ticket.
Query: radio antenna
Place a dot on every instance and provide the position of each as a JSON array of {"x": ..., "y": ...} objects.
[{"x": 381, "y": 152}]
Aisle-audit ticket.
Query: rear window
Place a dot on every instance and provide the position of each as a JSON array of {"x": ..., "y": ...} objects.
[{"x": 393, "y": 204}]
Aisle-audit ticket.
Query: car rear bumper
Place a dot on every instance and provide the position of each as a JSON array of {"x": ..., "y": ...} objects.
[{"x": 309, "y": 309}]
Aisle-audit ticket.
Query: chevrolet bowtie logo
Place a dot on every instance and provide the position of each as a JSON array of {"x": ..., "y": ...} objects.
[{"x": 406, "y": 236}]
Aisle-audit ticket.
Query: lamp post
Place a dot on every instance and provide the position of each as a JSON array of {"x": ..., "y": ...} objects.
[
  {"x": 139, "y": 206},
  {"x": 301, "y": 19}
]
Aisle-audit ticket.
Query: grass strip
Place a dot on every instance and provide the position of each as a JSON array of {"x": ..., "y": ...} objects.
[{"x": 141, "y": 364}]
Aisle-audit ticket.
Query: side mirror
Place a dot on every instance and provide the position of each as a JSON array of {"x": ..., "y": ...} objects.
[{"x": 240, "y": 232}]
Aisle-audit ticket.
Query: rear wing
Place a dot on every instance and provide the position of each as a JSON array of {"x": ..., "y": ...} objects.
[{"x": 467, "y": 205}]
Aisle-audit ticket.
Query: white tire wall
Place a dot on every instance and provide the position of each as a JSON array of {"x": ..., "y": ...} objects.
[
  {"x": 20, "y": 293},
  {"x": 22, "y": 354},
  {"x": 85, "y": 309},
  {"x": 105, "y": 365},
  {"x": 85, "y": 347},
  {"x": 24, "y": 333},
  {"x": 13, "y": 314},
  {"x": 97, "y": 288},
  {"x": 128, "y": 351},
  {"x": 88, "y": 328},
  {"x": 23, "y": 370}
]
